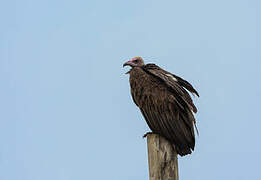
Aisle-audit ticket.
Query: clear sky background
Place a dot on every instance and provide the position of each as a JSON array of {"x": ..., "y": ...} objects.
[{"x": 65, "y": 107}]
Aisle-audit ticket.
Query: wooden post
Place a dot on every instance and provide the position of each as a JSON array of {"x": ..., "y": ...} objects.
[{"x": 163, "y": 161}]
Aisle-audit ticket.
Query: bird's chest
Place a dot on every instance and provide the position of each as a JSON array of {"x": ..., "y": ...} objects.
[{"x": 144, "y": 87}]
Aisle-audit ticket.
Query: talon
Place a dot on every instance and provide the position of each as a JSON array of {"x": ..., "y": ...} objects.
[{"x": 145, "y": 135}]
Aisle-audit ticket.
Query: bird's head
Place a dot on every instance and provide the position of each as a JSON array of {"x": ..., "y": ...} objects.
[{"x": 134, "y": 62}]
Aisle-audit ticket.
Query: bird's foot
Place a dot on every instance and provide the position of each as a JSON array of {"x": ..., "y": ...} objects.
[{"x": 145, "y": 135}]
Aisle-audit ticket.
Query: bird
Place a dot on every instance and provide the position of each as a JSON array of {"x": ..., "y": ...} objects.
[{"x": 165, "y": 103}]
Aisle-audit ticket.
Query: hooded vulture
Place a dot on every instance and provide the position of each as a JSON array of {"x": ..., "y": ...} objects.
[{"x": 165, "y": 103}]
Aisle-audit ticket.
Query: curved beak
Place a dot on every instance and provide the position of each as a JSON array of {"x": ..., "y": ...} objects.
[{"x": 128, "y": 63}]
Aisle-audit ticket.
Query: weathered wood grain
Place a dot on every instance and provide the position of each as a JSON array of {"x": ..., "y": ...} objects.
[{"x": 163, "y": 162}]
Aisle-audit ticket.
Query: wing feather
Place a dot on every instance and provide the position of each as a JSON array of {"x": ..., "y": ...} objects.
[
  {"x": 169, "y": 124},
  {"x": 165, "y": 104},
  {"x": 176, "y": 83}
]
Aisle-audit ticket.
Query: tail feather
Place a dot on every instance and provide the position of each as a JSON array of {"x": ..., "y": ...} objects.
[{"x": 182, "y": 152}]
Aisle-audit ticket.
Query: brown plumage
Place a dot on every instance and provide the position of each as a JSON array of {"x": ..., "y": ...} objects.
[{"x": 165, "y": 103}]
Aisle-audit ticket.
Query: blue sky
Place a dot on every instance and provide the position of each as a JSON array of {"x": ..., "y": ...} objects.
[{"x": 66, "y": 112}]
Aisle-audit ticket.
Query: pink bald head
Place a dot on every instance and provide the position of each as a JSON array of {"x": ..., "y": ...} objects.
[{"x": 134, "y": 62}]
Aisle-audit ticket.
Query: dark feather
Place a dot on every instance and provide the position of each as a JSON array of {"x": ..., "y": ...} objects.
[{"x": 165, "y": 104}]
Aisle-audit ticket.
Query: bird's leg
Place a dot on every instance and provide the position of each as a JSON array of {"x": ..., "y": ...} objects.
[{"x": 145, "y": 135}]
